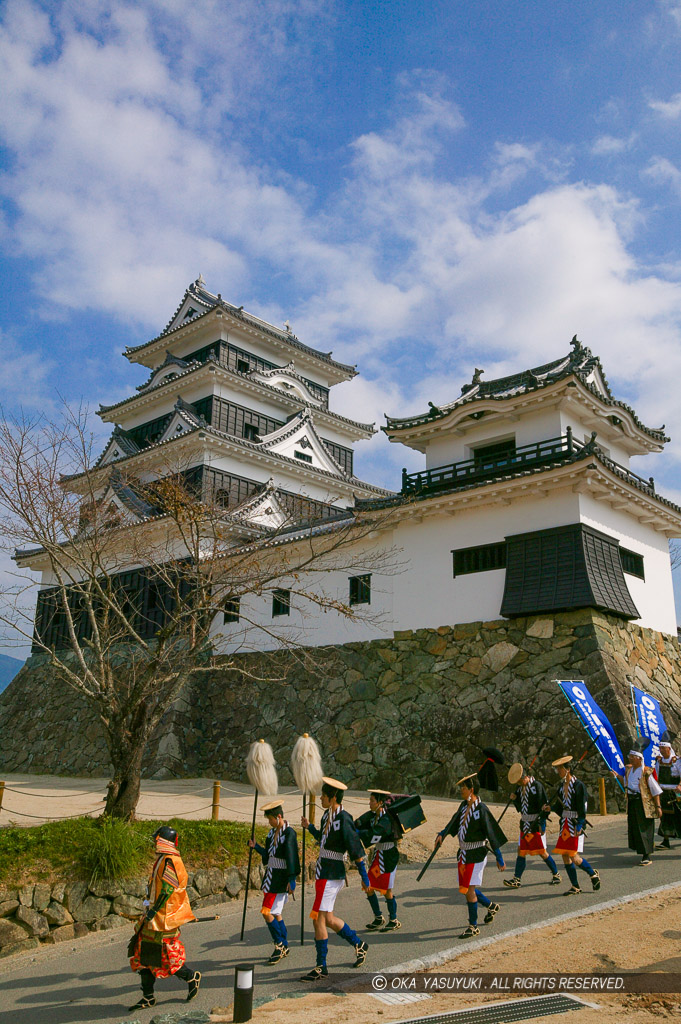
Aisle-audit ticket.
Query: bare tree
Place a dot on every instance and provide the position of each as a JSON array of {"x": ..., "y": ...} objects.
[
  {"x": 675, "y": 554},
  {"x": 137, "y": 569}
]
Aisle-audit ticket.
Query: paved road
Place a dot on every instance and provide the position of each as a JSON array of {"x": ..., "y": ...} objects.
[{"x": 89, "y": 980}]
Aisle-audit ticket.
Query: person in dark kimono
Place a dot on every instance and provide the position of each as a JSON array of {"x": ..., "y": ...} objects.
[
  {"x": 477, "y": 832},
  {"x": 570, "y": 802},
  {"x": 668, "y": 768},
  {"x": 529, "y": 799},
  {"x": 643, "y": 805},
  {"x": 338, "y": 839},
  {"x": 376, "y": 829},
  {"x": 282, "y": 865}
]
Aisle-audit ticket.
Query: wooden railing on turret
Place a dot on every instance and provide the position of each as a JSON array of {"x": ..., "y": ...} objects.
[{"x": 482, "y": 469}]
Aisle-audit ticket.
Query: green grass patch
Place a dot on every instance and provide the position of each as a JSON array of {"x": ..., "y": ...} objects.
[{"x": 87, "y": 848}]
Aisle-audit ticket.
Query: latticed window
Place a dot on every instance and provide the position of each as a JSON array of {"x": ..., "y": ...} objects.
[
  {"x": 360, "y": 589},
  {"x": 281, "y": 602},
  {"x": 632, "y": 563},
  {"x": 479, "y": 559},
  {"x": 230, "y": 610}
]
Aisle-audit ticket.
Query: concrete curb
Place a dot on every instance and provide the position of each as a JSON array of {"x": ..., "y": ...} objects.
[{"x": 438, "y": 959}]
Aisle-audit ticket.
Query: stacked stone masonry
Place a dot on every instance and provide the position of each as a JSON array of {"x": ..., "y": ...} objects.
[
  {"x": 36, "y": 914},
  {"x": 409, "y": 713}
]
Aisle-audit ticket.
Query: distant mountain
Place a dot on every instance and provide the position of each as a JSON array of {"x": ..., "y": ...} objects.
[{"x": 8, "y": 669}]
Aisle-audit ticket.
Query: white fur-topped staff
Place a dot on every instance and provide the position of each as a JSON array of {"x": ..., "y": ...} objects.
[
  {"x": 262, "y": 775},
  {"x": 306, "y": 765},
  {"x": 261, "y": 770}
]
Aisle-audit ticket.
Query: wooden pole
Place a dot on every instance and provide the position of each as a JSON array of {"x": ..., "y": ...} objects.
[
  {"x": 601, "y": 796},
  {"x": 215, "y": 812},
  {"x": 302, "y": 884},
  {"x": 313, "y": 808},
  {"x": 2, "y": 793},
  {"x": 248, "y": 873}
]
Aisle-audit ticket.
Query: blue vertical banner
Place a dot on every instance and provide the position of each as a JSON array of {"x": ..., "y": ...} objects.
[
  {"x": 650, "y": 721},
  {"x": 595, "y": 722}
]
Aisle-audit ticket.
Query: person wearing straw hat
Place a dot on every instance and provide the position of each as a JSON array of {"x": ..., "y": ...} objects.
[
  {"x": 376, "y": 829},
  {"x": 477, "y": 831},
  {"x": 337, "y": 838},
  {"x": 668, "y": 768},
  {"x": 282, "y": 865},
  {"x": 529, "y": 799},
  {"x": 570, "y": 803},
  {"x": 643, "y": 805},
  {"x": 156, "y": 949}
]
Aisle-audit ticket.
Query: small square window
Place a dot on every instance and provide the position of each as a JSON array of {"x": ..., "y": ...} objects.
[
  {"x": 303, "y": 456},
  {"x": 251, "y": 432},
  {"x": 230, "y": 610},
  {"x": 360, "y": 589},
  {"x": 632, "y": 563},
  {"x": 242, "y": 365},
  {"x": 281, "y": 602}
]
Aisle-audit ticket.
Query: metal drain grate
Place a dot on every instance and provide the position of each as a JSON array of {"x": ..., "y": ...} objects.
[{"x": 504, "y": 1013}]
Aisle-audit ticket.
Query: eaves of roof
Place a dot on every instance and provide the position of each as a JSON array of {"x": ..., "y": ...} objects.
[
  {"x": 580, "y": 363},
  {"x": 194, "y": 367},
  {"x": 240, "y": 442},
  {"x": 587, "y": 452},
  {"x": 247, "y": 318}
]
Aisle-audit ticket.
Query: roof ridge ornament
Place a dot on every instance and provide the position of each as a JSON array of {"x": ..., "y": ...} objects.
[{"x": 475, "y": 381}]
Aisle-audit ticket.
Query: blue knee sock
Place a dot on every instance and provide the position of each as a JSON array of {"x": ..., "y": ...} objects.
[
  {"x": 321, "y": 945},
  {"x": 374, "y": 904},
  {"x": 552, "y": 864},
  {"x": 347, "y": 933},
  {"x": 472, "y": 913},
  {"x": 571, "y": 872},
  {"x": 585, "y": 866},
  {"x": 482, "y": 898},
  {"x": 391, "y": 904},
  {"x": 273, "y": 930},
  {"x": 283, "y": 932},
  {"x": 519, "y": 866}
]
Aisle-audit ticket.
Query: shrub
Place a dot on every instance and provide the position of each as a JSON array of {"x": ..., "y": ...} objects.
[{"x": 113, "y": 849}]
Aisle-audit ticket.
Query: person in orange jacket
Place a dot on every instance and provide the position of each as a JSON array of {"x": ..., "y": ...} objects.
[{"x": 156, "y": 949}]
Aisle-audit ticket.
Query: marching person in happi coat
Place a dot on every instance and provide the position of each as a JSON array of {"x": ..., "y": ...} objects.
[
  {"x": 477, "y": 832},
  {"x": 282, "y": 865}
]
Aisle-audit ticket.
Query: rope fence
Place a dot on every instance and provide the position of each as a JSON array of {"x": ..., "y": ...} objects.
[{"x": 216, "y": 806}]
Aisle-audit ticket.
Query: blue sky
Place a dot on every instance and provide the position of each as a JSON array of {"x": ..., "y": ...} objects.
[{"x": 422, "y": 188}]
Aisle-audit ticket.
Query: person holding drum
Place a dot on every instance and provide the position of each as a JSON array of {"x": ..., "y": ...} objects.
[
  {"x": 529, "y": 799},
  {"x": 376, "y": 829}
]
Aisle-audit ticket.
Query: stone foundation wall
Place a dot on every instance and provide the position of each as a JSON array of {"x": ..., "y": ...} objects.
[
  {"x": 409, "y": 713},
  {"x": 40, "y": 913}
]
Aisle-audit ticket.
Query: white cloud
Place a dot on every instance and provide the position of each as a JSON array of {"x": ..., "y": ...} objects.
[
  {"x": 664, "y": 172},
  {"x": 127, "y": 181},
  {"x": 610, "y": 145},
  {"x": 669, "y": 109}
]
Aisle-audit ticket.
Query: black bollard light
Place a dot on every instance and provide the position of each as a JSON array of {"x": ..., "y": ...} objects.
[{"x": 243, "y": 993}]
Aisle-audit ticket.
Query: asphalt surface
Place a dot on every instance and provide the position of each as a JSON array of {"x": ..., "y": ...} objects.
[{"x": 89, "y": 979}]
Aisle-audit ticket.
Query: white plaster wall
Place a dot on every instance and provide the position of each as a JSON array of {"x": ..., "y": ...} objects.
[
  {"x": 654, "y": 596},
  {"x": 308, "y": 623},
  {"x": 429, "y": 595},
  {"x": 538, "y": 425}
]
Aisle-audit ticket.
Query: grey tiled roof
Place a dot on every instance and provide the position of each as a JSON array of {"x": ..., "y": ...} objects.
[
  {"x": 207, "y": 301},
  {"x": 591, "y": 450},
  {"x": 194, "y": 365},
  {"x": 580, "y": 362},
  {"x": 196, "y": 424}
]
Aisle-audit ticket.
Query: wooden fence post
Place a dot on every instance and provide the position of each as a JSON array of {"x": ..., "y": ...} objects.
[
  {"x": 601, "y": 795},
  {"x": 215, "y": 812}
]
